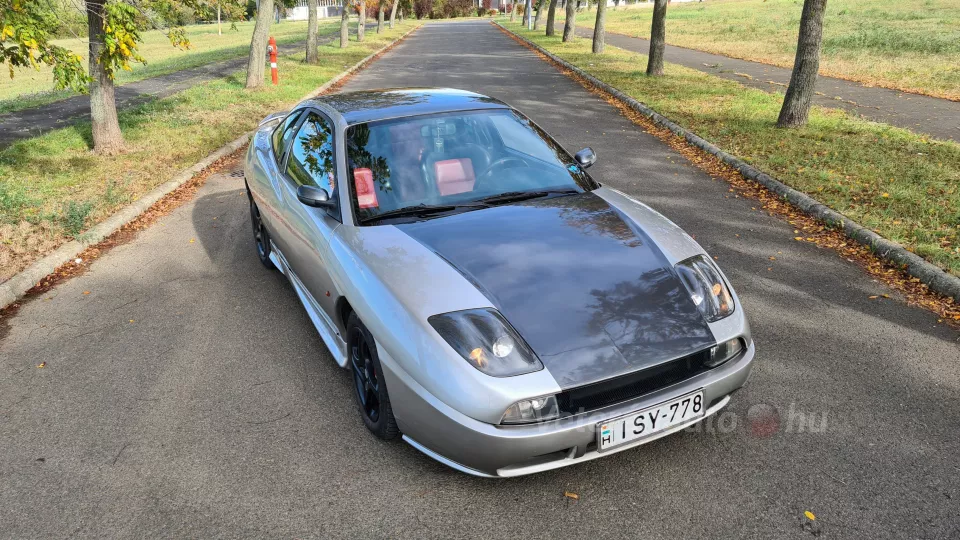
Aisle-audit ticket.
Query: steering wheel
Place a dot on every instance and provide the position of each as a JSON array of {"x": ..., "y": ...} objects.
[{"x": 502, "y": 163}]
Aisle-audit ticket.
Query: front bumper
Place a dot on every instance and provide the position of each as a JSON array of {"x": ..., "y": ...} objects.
[{"x": 488, "y": 450}]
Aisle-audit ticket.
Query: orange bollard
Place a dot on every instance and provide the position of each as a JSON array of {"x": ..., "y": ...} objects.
[{"x": 273, "y": 61}]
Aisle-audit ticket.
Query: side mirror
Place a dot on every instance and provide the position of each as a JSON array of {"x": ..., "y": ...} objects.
[
  {"x": 314, "y": 196},
  {"x": 585, "y": 157}
]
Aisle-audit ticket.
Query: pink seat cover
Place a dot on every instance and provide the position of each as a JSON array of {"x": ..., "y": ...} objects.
[
  {"x": 454, "y": 176},
  {"x": 366, "y": 192}
]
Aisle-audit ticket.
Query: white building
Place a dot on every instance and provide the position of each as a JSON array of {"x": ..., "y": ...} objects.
[{"x": 326, "y": 8}]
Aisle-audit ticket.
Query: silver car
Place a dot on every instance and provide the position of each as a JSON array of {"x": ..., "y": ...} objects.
[{"x": 498, "y": 308}]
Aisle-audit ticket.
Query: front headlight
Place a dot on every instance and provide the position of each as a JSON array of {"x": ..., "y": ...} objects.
[
  {"x": 485, "y": 340},
  {"x": 707, "y": 289}
]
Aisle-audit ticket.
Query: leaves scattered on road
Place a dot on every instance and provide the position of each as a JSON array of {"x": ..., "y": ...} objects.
[
  {"x": 41, "y": 365},
  {"x": 571, "y": 495},
  {"x": 125, "y": 234}
]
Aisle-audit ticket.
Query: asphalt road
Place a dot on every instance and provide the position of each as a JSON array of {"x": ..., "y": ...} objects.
[
  {"x": 924, "y": 114},
  {"x": 188, "y": 395}
]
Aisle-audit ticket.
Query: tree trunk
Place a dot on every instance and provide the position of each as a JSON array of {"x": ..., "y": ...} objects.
[
  {"x": 219, "y": 28},
  {"x": 393, "y": 13},
  {"x": 525, "y": 21},
  {"x": 513, "y": 11},
  {"x": 258, "y": 45},
  {"x": 598, "y": 31},
  {"x": 551, "y": 18},
  {"x": 107, "y": 138},
  {"x": 570, "y": 23},
  {"x": 312, "y": 55},
  {"x": 536, "y": 20},
  {"x": 344, "y": 25},
  {"x": 362, "y": 22},
  {"x": 658, "y": 37},
  {"x": 796, "y": 104},
  {"x": 380, "y": 18}
]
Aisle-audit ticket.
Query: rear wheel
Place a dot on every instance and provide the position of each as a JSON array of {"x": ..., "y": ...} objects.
[
  {"x": 261, "y": 237},
  {"x": 370, "y": 389}
]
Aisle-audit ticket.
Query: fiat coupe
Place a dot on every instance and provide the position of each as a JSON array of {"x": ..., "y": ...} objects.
[{"x": 496, "y": 306}]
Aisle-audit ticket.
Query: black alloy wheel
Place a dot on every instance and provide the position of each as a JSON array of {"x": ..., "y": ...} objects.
[
  {"x": 260, "y": 235},
  {"x": 369, "y": 386}
]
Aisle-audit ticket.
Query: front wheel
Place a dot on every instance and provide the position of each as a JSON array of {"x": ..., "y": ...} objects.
[
  {"x": 369, "y": 386},
  {"x": 261, "y": 237}
]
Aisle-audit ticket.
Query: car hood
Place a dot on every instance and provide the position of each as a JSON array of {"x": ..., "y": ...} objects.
[{"x": 581, "y": 282}]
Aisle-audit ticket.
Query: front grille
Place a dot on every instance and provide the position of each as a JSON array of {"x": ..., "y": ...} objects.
[{"x": 612, "y": 391}]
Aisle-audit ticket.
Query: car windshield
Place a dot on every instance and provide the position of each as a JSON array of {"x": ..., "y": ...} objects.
[{"x": 454, "y": 160}]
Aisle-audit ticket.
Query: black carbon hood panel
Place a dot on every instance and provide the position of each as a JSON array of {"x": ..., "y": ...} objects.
[{"x": 584, "y": 286}]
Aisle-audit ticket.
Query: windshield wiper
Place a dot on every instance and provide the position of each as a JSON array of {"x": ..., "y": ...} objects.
[
  {"x": 513, "y": 196},
  {"x": 422, "y": 210}
]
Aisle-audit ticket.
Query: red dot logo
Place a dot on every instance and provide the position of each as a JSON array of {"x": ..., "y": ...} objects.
[{"x": 764, "y": 420}]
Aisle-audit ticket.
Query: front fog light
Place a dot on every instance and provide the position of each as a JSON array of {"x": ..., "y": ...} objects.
[
  {"x": 531, "y": 410},
  {"x": 723, "y": 352}
]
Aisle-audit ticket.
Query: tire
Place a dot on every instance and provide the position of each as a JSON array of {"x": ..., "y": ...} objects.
[
  {"x": 370, "y": 389},
  {"x": 261, "y": 237}
]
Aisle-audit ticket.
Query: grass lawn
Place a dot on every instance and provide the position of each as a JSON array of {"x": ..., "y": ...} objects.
[
  {"x": 900, "y": 184},
  {"x": 53, "y": 188},
  {"x": 913, "y": 45},
  {"x": 31, "y": 87}
]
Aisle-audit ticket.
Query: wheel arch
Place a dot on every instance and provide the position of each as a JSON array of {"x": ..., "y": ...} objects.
[{"x": 343, "y": 310}]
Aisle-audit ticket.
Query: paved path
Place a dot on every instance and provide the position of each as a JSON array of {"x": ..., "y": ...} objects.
[
  {"x": 187, "y": 395},
  {"x": 38, "y": 120},
  {"x": 933, "y": 116}
]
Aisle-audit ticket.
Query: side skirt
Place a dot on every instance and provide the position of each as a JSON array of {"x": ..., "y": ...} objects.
[{"x": 324, "y": 325}]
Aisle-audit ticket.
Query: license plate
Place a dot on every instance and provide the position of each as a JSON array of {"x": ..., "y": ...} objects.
[{"x": 649, "y": 421}]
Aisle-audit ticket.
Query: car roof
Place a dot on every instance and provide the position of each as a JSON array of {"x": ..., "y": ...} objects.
[{"x": 369, "y": 105}]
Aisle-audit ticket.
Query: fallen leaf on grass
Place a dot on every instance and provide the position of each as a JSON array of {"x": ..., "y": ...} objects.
[{"x": 571, "y": 495}]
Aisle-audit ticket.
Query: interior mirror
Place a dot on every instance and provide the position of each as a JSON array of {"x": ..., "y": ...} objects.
[
  {"x": 314, "y": 196},
  {"x": 585, "y": 157}
]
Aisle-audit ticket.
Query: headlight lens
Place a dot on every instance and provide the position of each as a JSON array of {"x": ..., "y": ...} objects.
[
  {"x": 707, "y": 289},
  {"x": 485, "y": 340},
  {"x": 532, "y": 410},
  {"x": 723, "y": 352}
]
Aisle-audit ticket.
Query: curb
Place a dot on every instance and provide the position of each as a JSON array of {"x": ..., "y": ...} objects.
[
  {"x": 931, "y": 275},
  {"x": 15, "y": 287}
]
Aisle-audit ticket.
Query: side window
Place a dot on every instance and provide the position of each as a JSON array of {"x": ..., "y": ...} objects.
[
  {"x": 283, "y": 134},
  {"x": 311, "y": 158}
]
